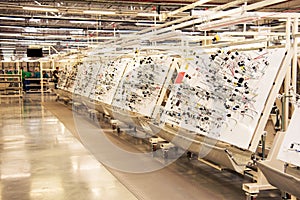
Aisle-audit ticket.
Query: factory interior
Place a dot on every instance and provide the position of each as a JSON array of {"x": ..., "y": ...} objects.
[{"x": 149, "y": 99}]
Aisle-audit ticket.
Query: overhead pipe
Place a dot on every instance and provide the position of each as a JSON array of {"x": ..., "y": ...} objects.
[
  {"x": 184, "y": 8},
  {"x": 218, "y": 8},
  {"x": 200, "y": 20},
  {"x": 181, "y": 20},
  {"x": 228, "y": 13},
  {"x": 228, "y": 5}
]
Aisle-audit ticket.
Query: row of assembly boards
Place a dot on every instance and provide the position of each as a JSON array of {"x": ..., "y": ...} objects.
[{"x": 209, "y": 99}]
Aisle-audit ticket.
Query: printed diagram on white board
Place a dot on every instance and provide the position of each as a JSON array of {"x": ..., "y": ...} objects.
[
  {"x": 71, "y": 78},
  {"x": 141, "y": 84},
  {"x": 221, "y": 95},
  {"x": 86, "y": 77},
  {"x": 67, "y": 77},
  {"x": 108, "y": 78}
]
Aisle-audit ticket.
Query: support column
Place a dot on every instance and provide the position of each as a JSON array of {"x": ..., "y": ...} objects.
[
  {"x": 295, "y": 58},
  {"x": 287, "y": 80},
  {"x": 42, "y": 81}
]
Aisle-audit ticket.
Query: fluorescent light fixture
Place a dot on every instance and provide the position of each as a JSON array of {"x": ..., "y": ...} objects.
[
  {"x": 15, "y": 176},
  {"x": 113, "y": 31},
  {"x": 104, "y": 38},
  {"x": 99, "y": 12},
  {"x": 40, "y": 8},
  {"x": 226, "y": 22},
  {"x": 58, "y": 36},
  {"x": 145, "y": 24},
  {"x": 147, "y": 14},
  {"x": 50, "y": 29},
  {"x": 35, "y": 20},
  {"x": 46, "y": 44},
  {"x": 14, "y": 41},
  {"x": 33, "y": 37},
  {"x": 10, "y": 34},
  {"x": 7, "y": 42},
  {"x": 34, "y": 46},
  {"x": 30, "y": 29},
  {"x": 83, "y": 22},
  {"x": 66, "y": 29},
  {"x": 7, "y": 48},
  {"x": 13, "y": 18},
  {"x": 77, "y": 32},
  {"x": 77, "y": 44},
  {"x": 14, "y": 27}
]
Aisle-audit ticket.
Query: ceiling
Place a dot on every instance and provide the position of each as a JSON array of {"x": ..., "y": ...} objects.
[{"x": 72, "y": 24}]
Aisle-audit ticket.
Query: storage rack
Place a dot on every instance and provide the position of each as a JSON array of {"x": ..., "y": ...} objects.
[
  {"x": 46, "y": 83},
  {"x": 37, "y": 85},
  {"x": 10, "y": 85},
  {"x": 40, "y": 85}
]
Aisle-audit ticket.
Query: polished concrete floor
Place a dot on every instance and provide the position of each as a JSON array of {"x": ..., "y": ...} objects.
[{"x": 41, "y": 159}]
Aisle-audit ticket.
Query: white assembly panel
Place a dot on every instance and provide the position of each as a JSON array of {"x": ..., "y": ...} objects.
[
  {"x": 222, "y": 95},
  {"x": 86, "y": 78},
  {"x": 67, "y": 77},
  {"x": 219, "y": 95},
  {"x": 290, "y": 149},
  {"x": 108, "y": 79},
  {"x": 141, "y": 84}
]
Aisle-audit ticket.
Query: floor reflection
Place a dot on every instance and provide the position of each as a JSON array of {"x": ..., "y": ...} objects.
[{"x": 40, "y": 159}]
